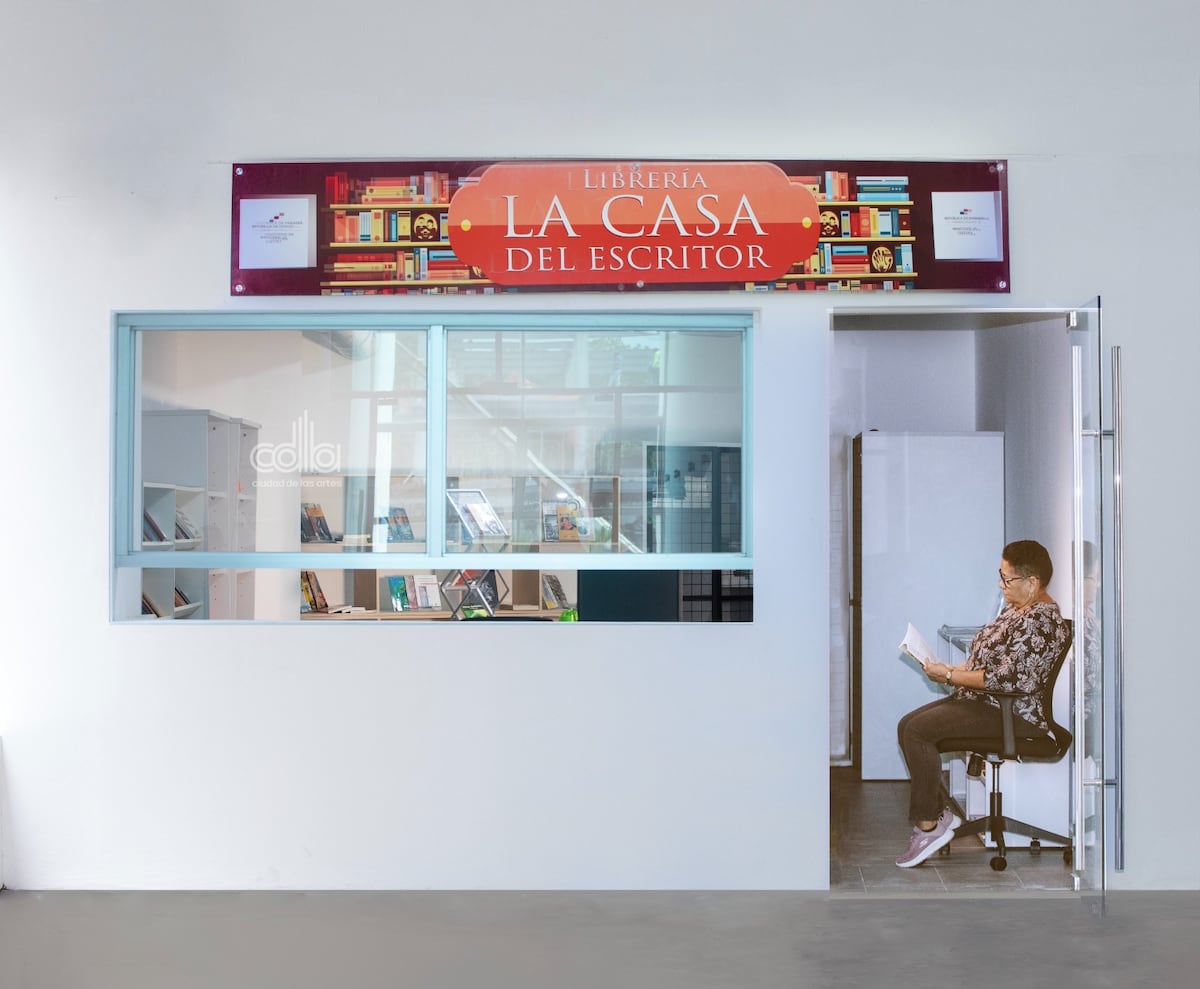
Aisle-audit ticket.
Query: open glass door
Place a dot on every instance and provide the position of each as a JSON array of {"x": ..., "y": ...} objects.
[{"x": 1096, "y": 664}]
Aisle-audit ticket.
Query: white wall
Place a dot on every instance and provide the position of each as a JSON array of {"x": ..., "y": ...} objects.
[
  {"x": 659, "y": 757},
  {"x": 1021, "y": 374},
  {"x": 897, "y": 380}
]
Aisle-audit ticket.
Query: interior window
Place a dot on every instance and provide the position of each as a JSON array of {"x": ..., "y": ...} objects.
[{"x": 352, "y": 469}]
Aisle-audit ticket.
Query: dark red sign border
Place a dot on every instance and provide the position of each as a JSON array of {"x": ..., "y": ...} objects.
[{"x": 280, "y": 179}]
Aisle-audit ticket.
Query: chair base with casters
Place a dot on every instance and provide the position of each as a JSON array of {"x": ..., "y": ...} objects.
[
  {"x": 995, "y": 824},
  {"x": 1024, "y": 746}
]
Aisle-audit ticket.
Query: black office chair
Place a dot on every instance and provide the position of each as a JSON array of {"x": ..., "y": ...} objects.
[{"x": 1025, "y": 747}]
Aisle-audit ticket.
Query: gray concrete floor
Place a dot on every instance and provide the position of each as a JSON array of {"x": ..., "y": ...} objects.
[
  {"x": 601, "y": 940},
  {"x": 947, "y": 922}
]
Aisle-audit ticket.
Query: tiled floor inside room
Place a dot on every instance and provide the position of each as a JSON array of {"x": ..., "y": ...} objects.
[{"x": 868, "y": 828}]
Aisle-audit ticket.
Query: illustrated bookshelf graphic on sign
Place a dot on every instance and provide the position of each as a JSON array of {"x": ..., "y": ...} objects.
[
  {"x": 866, "y": 234},
  {"x": 388, "y": 234}
]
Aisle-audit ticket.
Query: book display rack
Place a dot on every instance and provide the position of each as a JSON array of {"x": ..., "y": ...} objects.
[{"x": 338, "y": 515}]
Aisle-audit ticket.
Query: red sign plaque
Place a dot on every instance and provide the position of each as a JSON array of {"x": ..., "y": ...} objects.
[{"x": 635, "y": 223}]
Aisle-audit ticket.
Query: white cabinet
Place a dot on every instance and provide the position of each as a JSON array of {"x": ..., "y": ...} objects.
[
  {"x": 168, "y": 511},
  {"x": 927, "y": 537},
  {"x": 245, "y": 515},
  {"x": 199, "y": 462}
]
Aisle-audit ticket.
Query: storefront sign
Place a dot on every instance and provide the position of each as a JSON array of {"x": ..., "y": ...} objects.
[
  {"x": 483, "y": 227},
  {"x": 613, "y": 223}
]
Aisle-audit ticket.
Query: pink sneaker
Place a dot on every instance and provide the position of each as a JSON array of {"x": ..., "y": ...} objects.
[{"x": 922, "y": 844}]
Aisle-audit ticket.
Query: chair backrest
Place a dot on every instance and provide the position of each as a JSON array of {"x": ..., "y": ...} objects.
[
  {"x": 1050, "y": 746},
  {"x": 1062, "y": 738}
]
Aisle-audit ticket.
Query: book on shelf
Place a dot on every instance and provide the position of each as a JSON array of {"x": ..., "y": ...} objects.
[
  {"x": 151, "y": 531},
  {"x": 148, "y": 607},
  {"x": 320, "y": 526},
  {"x": 486, "y": 519},
  {"x": 550, "y": 521},
  {"x": 410, "y": 590},
  {"x": 864, "y": 221},
  {"x": 399, "y": 224},
  {"x": 390, "y": 185},
  {"x": 181, "y": 599},
  {"x": 343, "y": 267},
  {"x": 567, "y": 513},
  {"x": 398, "y": 591},
  {"x": 311, "y": 587},
  {"x": 476, "y": 514},
  {"x": 481, "y": 588},
  {"x": 837, "y": 185},
  {"x": 185, "y": 528},
  {"x": 553, "y": 595},
  {"x": 399, "y": 528},
  {"x": 318, "y": 594},
  {"x": 468, "y": 525},
  {"x": 347, "y": 609},
  {"x": 307, "y": 602},
  {"x": 428, "y": 595}
]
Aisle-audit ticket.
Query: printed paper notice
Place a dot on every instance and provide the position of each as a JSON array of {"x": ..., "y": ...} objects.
[
  {"x": 278, "y": 232},
  {"x": 967, "y": 226}
]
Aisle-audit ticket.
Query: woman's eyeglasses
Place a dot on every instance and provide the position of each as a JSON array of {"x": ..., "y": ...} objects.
[{"x": 1008, "y": 580}]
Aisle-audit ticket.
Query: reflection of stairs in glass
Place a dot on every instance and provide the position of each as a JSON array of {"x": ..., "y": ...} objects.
[{"x": 717, "y": 595}]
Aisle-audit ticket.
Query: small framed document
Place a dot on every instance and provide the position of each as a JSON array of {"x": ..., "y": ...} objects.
[
  {"x": 277, "y": 232},
  {"x": 967, "y": 226}
]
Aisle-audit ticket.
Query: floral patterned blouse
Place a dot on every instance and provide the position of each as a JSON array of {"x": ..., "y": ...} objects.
[{"x": 1016, "y": 651}]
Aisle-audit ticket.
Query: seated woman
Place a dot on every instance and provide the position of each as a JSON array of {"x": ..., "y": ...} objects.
[{"x": 1016, "y": 651}]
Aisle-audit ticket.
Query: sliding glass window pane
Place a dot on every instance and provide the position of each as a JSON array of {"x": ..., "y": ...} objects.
[
  {"x": 620, "y": 441},
  {"x": 282, "y": 440}
]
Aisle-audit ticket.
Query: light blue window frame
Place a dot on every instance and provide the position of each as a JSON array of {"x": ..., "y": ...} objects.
[{"x": 129, "y": 557}]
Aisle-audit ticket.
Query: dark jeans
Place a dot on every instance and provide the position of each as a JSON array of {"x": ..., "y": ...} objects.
[{"x": 921, "y": 730}]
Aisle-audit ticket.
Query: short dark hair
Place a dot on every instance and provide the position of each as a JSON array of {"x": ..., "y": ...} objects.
[{"x": 1030, "y": 558}]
